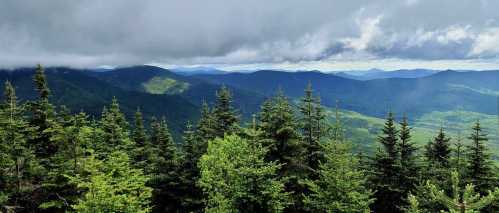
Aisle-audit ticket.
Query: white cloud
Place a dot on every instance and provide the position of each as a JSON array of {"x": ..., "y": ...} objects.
[
  {"x": 486, "y": 43},
  {"x": 369, "y": 29}
]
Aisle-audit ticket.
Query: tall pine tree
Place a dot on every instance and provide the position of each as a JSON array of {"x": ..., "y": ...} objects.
[
  {"x": 479, "y": 167},
  {"x": 386, "y": 170},
  {"x": 225, "y": 116}
]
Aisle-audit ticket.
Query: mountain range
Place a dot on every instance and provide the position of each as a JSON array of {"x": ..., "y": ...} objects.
[{"x": 161, "y": 92}]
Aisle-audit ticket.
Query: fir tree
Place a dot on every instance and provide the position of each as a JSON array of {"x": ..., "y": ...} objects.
[
  {"x": 112, "y": 185},
  {"x": 18, "y": 165},
  {"x": 409, "y": 167},
  {"x": 114, "y": 129},
  {"x": 313, "y": 128},
  {"x": 43, "y": 116},
  {"x": 205, "y": 130},
  {"x": 386, "y": 170},
  {"x": 139, "y": 135},
  {"x": 479, "y": 167},
  {"x": 341, "y": 187},
  {"x": 236, "y": 177},
  {"x": 225, "y": 116},
  {"x": 438, "y": 151}
]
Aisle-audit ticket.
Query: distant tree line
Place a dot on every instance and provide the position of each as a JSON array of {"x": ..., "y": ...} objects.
[{"x": 286, "y": 159}]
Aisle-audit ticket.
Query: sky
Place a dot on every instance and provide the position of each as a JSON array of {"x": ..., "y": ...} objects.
[{"x": 246, "y": 35}]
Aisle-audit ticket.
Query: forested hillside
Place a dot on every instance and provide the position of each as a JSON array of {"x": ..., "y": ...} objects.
[{"x": 293, "y": 155}]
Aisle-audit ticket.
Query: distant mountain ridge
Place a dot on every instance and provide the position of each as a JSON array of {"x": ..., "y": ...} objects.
[
  {"x": 380, "y": 74},
  {"x": 446, "y": 90}
]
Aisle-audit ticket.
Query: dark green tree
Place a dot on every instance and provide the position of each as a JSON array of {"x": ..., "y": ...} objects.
[
  {"x": 313, "y": 128},
  {"x": 43, "y": 116},
  {"x": 438, "y": 151},
  {"x": 205, "y": 130},
  {"x": 225, "y": 116},
  {"x": 114, "y": 127},
  {"x": 479, "y": 165},
  {"x": 18, "y": 165},
  {"x": 385, "y": 170},
  {"x": 409, "y": 173}
]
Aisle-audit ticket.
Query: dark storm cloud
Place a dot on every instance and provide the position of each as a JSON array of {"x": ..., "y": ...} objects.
[{"x": 111, "y": 32}]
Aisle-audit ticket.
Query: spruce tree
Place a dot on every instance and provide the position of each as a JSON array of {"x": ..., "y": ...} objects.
[
  {"x": 205, "y": 130},
  {"x": 386, "y": 170},
  {"x": 18, "y": 165},
  {"x": 408, "y": 160},
  {"x": 191, "y": 194},
  {"x": 166, "y": 177},
  {"x": 114, "y": 129},
  {"x": 139, "y": 135},
  {"x": 341, "y": 186},
  {"x": 236, "y": 178},
  {"x": 43, "y": 115},
  {"x": 312, "y": 124},
  {"x": 479, "y": 167},
  {"x": 225, "y": 116},
  {"x": 438, "y": 151}
]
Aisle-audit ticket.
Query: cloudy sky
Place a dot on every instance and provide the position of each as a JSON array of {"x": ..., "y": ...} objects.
[{"x": 228, "y": 34}]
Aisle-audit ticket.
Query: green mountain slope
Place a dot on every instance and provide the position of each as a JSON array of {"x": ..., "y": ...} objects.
[
  {"x": 79, "y": 91},
  {"x": 477, "y": 91}
]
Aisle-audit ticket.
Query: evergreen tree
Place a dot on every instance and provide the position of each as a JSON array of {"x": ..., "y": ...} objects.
[
  {"x": 112, "y": 185},
  {"x": 205, "y": 130},
  {"x": 311, "y": 124},
  {"x": 43, "y": 116},
  {"x": 438, "y": 151},
  {"x": 114, "y": 129},
  {"x": 409, "y": 167},
  {"x": 236, "y": 178},
  {"x": 139, "y": 135},
  {"x": 225, "y": 116},
  {"x": 166, "y": 176},
  {"x": 18, "y": 166},
  {"x": 461, "y": 200},
  {"x": 281, "y": 138},
  {"x": 386, "y": 170},
  {"x": 341, "y": 187},
  {"x": 479, "y": 167},
  {"x": 141, "y": 145},
  {"x": 192, "y": 199}
]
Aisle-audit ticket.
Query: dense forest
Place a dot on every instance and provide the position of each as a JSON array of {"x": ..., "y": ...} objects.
[{"x": 286, "y": 158}]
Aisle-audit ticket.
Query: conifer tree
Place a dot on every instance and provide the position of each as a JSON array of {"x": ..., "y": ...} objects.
[
  {"x": 205, "y": 130},
  {"x": 225, "y": 116},
  {"x": 165, "y": 174},
  {"x": 386, "y": 170},
  {"x": 460, "y": 200},
  {"x": 409, "y": 167},
  {"x": 190, "y": 192},
  {"x": 112, "y": 185},
  {"x": 139, "y": 135},
  {"x": 18, "y": 165},
  {"x": 43, "y": 116},
  {"x": 114, "y": 129},
  {"x": 479, "y": 167},
  {"x": 236, "y": 178},
  {"x": 312, "y": 126},
  {"x": 341, "y": 187},
  {"x": 438, "y": 151}
]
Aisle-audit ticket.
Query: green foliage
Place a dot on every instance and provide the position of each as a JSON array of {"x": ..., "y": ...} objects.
[
  {"x": 461, "y": 200},
  {"x": 112, "y": 185},
  {"x": 479, "y": 166},
  {"x": 385, "y": 170},
  {"x": 341, "y": 187},
  {"x": 224, "y": 114},
  {"x": 164, "y": 85},
  {"x": 236, "y": 178}
]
